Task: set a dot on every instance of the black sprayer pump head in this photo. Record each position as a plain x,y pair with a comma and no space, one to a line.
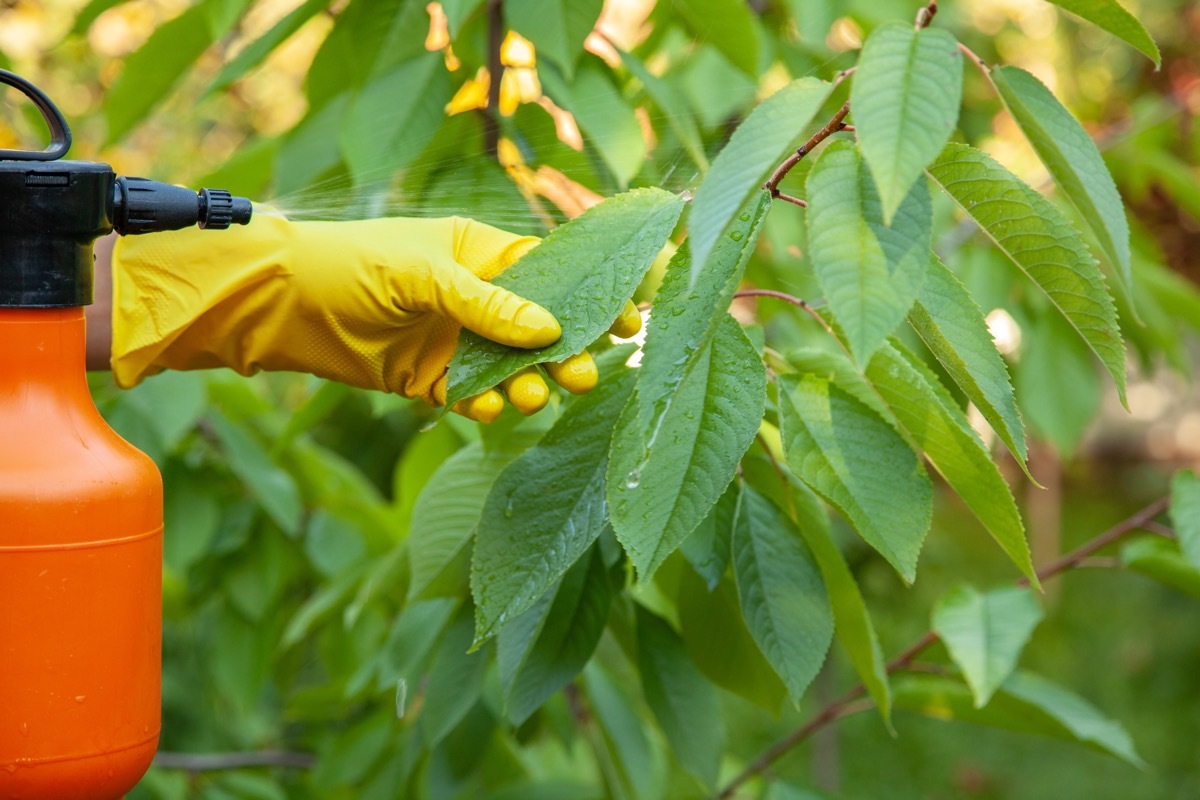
52,212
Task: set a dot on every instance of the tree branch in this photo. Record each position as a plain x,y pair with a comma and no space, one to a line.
833,126
850,702
491,115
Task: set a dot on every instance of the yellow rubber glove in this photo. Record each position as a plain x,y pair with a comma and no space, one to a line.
376,304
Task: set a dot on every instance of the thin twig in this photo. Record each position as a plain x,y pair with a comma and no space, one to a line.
833,126
796,201
979,62
787,298
1158,529
839,708
211,762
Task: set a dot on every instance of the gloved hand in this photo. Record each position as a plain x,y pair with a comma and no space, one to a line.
376,304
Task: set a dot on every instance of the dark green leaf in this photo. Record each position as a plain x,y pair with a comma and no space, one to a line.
1162,560
707,548
673,106
583,273
870,273
662,480
905,97
1053,357
953,328
850,456
1072,159
940,429
782,595
543,649
685,704
632,756
1039,240
268,483
455,680
1109,15
772,130
728,25
545,509
985,633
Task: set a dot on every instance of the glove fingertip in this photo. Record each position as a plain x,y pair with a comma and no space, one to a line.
628,323
483,407
577,374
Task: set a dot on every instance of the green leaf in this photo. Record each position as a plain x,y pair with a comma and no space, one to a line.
663,480
457,13
270,485
773,129
985,633
544,648
556,28
253,54
583,273
717,640
782,594
411,640
446,513
728,25
455,680
90,13
1051,358
850,456
906,95
1185,513
1041,242
602,113
633,769
1162,560
870,273
150,73
1109,15
545,509
673,106
1072,159
953,327
1025,703
685,704
707,548
940,429
391,120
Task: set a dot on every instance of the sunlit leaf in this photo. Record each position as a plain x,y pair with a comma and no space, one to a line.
1185,513
556,28
1112,17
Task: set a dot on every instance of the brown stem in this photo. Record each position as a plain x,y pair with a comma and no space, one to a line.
833,126
787,198
925,15
851,700
979,62
491,117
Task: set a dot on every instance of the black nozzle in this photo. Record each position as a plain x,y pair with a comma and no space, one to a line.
144,206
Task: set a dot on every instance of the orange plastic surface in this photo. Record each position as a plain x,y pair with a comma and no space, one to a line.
80,576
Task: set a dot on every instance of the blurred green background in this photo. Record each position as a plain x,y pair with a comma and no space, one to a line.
289,500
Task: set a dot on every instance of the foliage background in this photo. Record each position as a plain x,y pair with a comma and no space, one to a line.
289,500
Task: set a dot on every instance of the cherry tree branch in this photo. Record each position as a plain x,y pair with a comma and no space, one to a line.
851,701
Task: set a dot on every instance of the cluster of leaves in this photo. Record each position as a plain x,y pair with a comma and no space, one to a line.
570,605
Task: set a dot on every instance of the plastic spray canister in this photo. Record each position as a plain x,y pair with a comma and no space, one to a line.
80,508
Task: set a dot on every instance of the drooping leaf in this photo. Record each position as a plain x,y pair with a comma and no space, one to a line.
1025,703
555,28
707,548
270,485
411,640
455,680
583,273
850,456
940,429
774,128
90,13
685,704
446,513
1053,357
544,648
782,595
952,326
1109,15
906,95
604,116
546,508
673,106
1162,560
717,640
985,633
1185,513
870,273
728,25
1041,242
662,481
253,54
637,761
1072,159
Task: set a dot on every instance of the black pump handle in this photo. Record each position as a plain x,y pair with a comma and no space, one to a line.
60,132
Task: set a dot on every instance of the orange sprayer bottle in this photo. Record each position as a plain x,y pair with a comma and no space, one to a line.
80,509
